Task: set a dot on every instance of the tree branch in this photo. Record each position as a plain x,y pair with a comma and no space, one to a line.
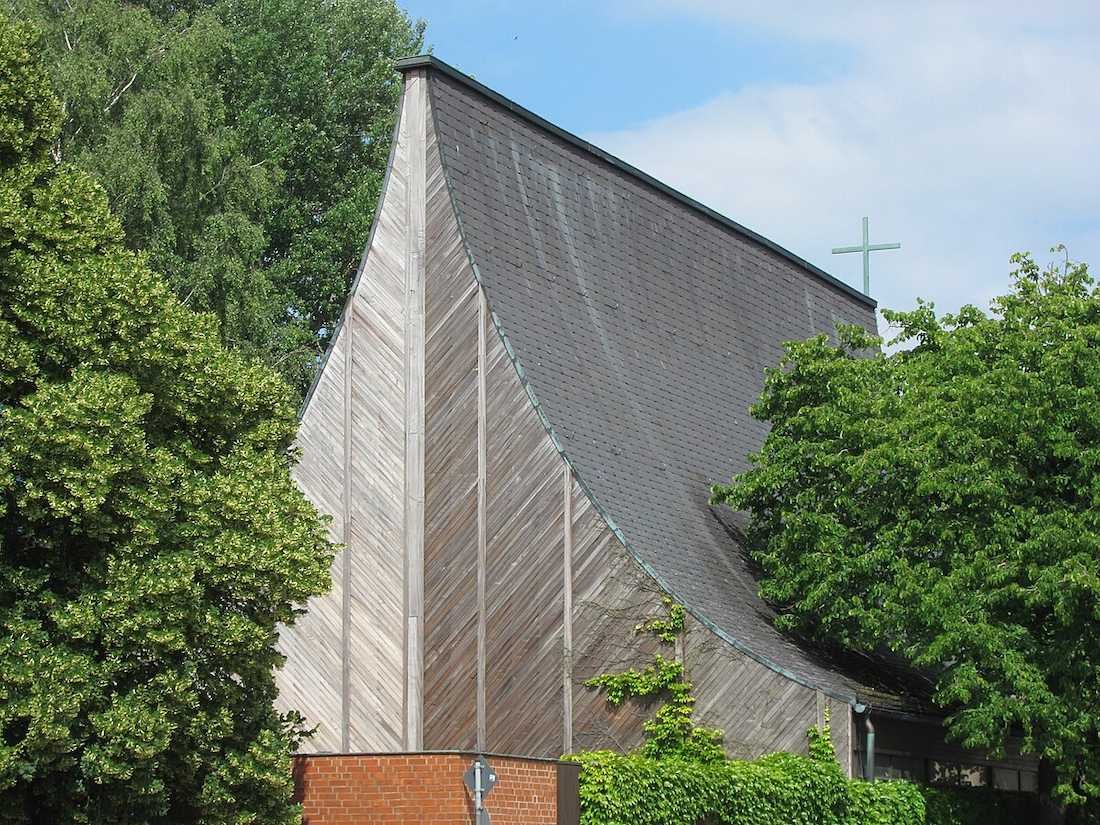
221,180
158,52
115,98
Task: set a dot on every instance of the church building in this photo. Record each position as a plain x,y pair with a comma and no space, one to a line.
546,359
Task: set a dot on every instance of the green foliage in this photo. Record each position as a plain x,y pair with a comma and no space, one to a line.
819,741
667,629
778,789
29,106
680,776
885,803
782,789
672,731
242,144
151,537
976,806
944,502
633,683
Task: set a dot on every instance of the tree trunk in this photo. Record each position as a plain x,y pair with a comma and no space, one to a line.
1051,812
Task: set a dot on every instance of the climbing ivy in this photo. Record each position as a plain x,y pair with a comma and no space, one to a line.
669,628
782,788
680,775
777,789
672,731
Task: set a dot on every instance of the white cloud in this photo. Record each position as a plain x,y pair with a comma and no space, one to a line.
966,132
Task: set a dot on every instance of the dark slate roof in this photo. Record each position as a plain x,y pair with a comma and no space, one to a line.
643,323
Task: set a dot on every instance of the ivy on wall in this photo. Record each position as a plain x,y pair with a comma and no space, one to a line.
672,731
680,775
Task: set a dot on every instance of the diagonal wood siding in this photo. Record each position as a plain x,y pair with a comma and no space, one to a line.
522,522
450,529
611,595
377,465
346,667
759,710
524,569
311,679
402,385
528,659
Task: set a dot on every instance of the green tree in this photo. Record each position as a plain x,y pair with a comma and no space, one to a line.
944,502
151,537
242,144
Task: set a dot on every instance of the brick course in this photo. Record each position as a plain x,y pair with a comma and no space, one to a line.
416,789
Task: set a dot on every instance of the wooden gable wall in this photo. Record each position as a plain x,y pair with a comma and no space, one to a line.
347,667
479,587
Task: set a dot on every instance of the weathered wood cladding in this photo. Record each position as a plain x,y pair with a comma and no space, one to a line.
523,568
346,667
451,477
311,680
415,117
760,710
611,595
431,381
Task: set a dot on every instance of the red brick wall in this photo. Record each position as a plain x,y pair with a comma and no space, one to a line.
411,789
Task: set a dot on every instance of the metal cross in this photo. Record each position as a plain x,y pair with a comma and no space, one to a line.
866,249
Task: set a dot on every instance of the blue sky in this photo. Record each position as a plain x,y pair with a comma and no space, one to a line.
595,67
965,131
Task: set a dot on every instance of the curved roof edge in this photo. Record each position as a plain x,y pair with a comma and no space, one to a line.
521,373
433,62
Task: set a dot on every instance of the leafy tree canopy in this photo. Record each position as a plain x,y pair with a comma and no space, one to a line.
242,144
151,537
944,502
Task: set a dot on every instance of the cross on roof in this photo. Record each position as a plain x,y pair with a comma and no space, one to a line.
866,249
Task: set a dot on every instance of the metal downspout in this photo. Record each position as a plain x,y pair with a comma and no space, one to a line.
870,747
869,727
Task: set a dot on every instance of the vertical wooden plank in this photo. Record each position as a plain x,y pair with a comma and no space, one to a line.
414,413
346,555
482,461
567,611
451,316
848,727
569,799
